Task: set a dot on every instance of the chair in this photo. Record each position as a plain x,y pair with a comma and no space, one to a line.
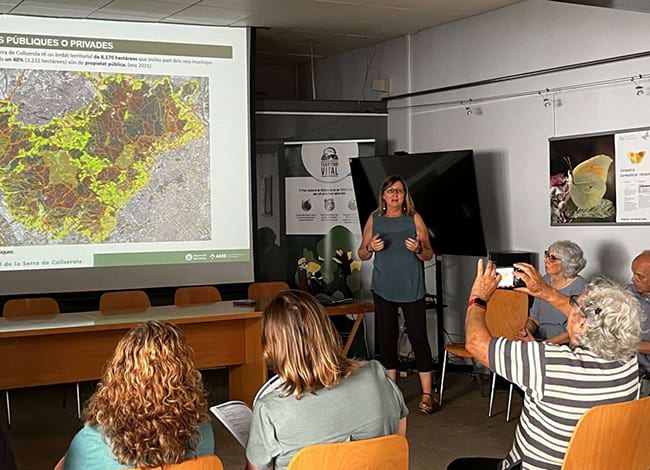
265,290
41,307
611,436
506,313
197,295
204,462
121,301
379,453
32,308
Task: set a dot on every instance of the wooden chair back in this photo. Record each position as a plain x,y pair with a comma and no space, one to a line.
41,307
381,453
197,295
265,290
204,462
506,313
611,436
124,301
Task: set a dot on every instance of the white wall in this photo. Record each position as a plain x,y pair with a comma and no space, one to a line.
510,137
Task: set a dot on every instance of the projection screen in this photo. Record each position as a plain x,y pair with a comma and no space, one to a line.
124,155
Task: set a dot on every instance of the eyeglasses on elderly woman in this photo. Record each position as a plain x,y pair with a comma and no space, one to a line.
573,300
550,257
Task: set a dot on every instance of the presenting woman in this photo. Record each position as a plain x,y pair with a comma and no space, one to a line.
398,238
562,261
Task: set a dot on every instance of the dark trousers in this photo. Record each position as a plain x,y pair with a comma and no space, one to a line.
416,328
478,463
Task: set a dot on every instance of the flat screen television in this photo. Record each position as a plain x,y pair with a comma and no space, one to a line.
443,187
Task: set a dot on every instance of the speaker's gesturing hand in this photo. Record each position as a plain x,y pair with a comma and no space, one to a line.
413,244
376,244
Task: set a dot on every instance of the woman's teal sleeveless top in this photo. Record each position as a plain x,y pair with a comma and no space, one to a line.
398,274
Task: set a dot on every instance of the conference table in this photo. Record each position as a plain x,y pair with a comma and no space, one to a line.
73,347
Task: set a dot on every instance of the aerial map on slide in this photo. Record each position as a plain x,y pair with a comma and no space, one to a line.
103,158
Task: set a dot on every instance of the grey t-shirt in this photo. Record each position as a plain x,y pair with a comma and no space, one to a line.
365,405
644,359
551,321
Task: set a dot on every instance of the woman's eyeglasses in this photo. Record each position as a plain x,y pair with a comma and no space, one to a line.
550,257
573,300
394,191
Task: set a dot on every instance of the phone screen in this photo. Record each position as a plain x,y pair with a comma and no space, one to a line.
507,278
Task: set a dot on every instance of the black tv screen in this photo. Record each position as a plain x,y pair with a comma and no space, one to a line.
443,187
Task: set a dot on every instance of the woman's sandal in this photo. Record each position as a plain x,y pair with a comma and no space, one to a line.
427,408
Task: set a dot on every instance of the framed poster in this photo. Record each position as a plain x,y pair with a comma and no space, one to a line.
600,178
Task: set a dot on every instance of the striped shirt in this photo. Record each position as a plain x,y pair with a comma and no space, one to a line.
559,384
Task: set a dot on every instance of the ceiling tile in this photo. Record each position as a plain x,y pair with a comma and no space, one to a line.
125,17
409,24
422,5
248,5
68,4
208,15
59,12
333,3
152,9
468,8
268,19
5,7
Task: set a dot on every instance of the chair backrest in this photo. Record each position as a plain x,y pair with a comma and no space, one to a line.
204,462
265,290
44,307
611,436
124,300
381,453
197,295
506,313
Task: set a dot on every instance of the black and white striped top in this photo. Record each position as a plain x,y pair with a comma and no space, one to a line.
560,384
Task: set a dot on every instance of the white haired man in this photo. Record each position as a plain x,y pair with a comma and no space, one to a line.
560,382
640,287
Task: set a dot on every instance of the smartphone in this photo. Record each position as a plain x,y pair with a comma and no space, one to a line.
508,279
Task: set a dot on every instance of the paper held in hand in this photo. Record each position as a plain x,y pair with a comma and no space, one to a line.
236,416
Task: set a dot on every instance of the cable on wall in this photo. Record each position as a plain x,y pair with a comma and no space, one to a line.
547,94
519,76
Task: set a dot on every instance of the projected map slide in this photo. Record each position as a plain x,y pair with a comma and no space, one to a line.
115,152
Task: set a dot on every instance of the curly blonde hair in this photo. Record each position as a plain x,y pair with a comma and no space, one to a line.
301,344
150,400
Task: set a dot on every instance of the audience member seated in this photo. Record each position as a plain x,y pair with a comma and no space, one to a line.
562,261
325,396
640,287
560,382
149,408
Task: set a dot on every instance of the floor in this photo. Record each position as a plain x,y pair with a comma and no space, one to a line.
42,427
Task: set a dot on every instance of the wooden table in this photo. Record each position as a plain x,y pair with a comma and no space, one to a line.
73,347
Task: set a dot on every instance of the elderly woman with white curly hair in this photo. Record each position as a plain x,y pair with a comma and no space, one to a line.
560,382
563,261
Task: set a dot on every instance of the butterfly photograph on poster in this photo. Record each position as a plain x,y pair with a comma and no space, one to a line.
582,187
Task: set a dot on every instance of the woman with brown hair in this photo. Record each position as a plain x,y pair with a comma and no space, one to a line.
149,408
325,397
